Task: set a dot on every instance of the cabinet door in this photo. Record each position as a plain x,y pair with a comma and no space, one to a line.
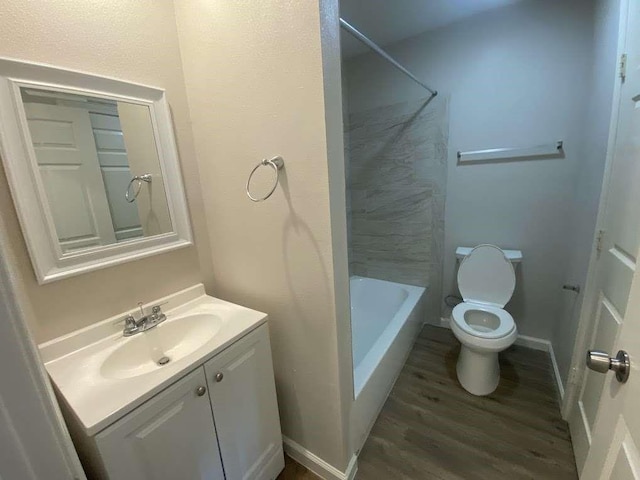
245,409
171,437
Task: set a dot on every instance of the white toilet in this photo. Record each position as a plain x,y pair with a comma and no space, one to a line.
486,279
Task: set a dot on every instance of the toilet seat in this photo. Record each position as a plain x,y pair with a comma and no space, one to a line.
505,326
486,277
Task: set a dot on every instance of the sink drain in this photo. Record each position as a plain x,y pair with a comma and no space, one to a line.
164,361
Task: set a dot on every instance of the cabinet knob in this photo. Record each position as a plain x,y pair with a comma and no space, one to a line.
200,391
219,376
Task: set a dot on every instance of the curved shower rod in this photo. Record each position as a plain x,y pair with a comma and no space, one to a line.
373,46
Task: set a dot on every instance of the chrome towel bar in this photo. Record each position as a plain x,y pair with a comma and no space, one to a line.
550,149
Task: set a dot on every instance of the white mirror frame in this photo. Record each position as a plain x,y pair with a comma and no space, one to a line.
25,183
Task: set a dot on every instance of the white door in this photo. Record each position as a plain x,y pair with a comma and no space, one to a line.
245,409
116,173
606,425
34,444
170,437
68,163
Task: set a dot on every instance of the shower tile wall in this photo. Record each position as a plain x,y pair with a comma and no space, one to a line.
396,180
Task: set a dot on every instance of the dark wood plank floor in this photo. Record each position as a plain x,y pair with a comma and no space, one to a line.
294,471
430,428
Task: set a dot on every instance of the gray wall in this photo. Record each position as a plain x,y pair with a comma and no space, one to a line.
397,182
601,80
516,77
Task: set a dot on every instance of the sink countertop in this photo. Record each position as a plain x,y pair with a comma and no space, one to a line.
75,362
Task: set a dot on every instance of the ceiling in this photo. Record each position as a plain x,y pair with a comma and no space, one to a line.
388,21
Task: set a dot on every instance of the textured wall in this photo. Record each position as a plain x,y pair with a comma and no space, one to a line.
263,78
259,84
602,79
131,41
397,184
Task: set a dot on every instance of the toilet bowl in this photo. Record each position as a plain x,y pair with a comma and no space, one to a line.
486,280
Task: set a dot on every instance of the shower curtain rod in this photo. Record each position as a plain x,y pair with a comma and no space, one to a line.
373,46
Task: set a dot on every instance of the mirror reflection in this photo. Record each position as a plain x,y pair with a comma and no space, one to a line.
99,167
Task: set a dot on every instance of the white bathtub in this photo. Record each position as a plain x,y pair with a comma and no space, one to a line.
385,320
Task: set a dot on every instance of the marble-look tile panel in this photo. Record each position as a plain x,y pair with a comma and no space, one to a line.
397,171
396,202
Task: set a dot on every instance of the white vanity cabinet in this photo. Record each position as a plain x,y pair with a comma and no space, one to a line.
172,436
243,397
218,422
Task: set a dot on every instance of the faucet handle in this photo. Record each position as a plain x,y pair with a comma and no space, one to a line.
157,308
130,326
128,320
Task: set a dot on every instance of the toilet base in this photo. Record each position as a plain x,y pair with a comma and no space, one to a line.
478,372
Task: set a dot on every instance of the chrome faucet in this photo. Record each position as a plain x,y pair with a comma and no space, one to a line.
145,322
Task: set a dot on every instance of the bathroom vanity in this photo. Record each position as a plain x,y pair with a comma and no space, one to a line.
192,398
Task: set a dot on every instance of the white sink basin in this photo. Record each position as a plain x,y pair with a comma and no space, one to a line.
173,340
103,375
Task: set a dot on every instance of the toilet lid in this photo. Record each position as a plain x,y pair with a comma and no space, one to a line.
486,276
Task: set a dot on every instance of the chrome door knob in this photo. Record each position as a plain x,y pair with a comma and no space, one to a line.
601,362
219,376
200,391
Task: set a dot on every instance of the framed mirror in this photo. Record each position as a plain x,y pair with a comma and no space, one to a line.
92,166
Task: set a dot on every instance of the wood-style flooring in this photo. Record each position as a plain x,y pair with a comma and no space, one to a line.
431,428
294,471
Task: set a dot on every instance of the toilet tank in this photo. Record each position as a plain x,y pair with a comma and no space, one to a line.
514,256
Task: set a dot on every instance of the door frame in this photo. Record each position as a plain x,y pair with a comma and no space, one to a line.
586,318
27,376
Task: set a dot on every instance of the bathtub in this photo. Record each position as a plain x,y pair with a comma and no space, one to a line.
386,317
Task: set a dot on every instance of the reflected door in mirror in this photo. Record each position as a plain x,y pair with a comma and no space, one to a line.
66,154
88,150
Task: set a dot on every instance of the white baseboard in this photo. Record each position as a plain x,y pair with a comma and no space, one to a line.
352,468
545,346
535,344
556,373
317,465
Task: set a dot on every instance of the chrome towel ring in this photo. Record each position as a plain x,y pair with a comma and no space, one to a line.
138,178
277,163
